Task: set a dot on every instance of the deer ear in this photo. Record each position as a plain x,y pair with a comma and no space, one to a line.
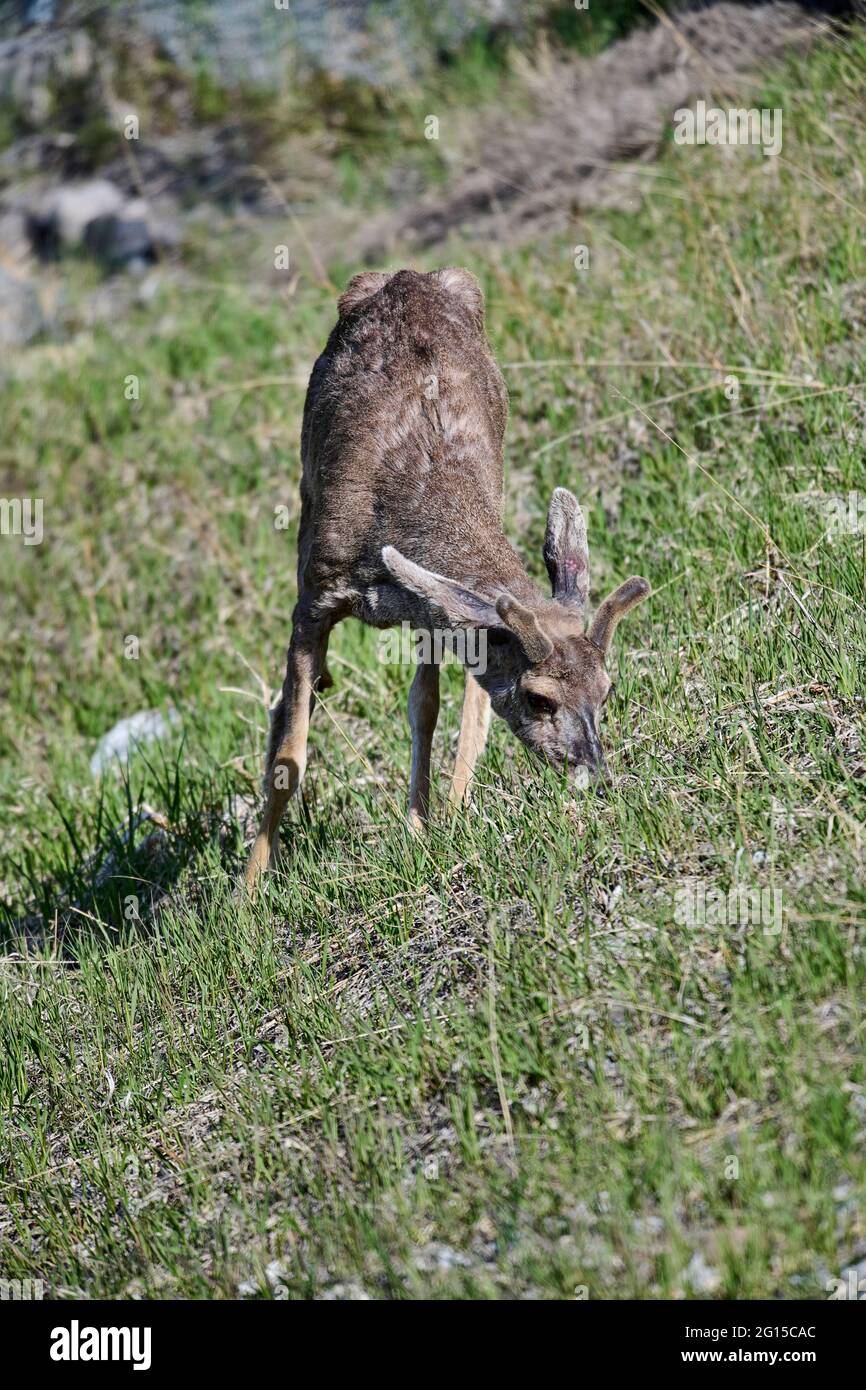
566,553
359,288
460,606
463,285
464,608
615,606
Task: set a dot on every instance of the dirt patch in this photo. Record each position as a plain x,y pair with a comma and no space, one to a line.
593,120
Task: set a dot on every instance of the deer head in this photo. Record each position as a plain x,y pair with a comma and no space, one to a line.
546,668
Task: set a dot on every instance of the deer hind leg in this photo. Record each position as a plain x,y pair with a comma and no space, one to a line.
474,725
286,758
423,714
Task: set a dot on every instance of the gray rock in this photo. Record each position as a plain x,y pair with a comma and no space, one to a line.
21,317
61,219
120,240
436,1256
121,741
701,1277
345,1293
96,216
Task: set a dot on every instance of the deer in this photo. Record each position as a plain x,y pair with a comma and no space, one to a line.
402,496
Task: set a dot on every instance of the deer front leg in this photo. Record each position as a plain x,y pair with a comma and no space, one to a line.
474,725
286,759
423,713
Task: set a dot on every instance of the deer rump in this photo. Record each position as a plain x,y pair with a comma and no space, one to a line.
402,444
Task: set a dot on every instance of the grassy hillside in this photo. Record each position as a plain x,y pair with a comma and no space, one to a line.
497,1062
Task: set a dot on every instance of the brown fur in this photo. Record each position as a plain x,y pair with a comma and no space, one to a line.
401,521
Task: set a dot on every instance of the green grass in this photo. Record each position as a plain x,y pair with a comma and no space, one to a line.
495,1062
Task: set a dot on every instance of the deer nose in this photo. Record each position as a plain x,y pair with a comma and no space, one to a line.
587,766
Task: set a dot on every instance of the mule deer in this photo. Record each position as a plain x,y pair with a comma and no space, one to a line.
401,521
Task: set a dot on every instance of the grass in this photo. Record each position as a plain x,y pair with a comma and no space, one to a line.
498,1062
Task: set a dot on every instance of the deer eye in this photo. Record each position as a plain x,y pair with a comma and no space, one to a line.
540,704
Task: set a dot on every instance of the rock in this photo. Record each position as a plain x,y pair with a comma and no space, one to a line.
60,221
700,1276
21,317
345,1293
440,1257
121,240
121,741
118,231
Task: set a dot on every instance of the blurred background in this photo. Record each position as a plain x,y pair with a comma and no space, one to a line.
130,134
